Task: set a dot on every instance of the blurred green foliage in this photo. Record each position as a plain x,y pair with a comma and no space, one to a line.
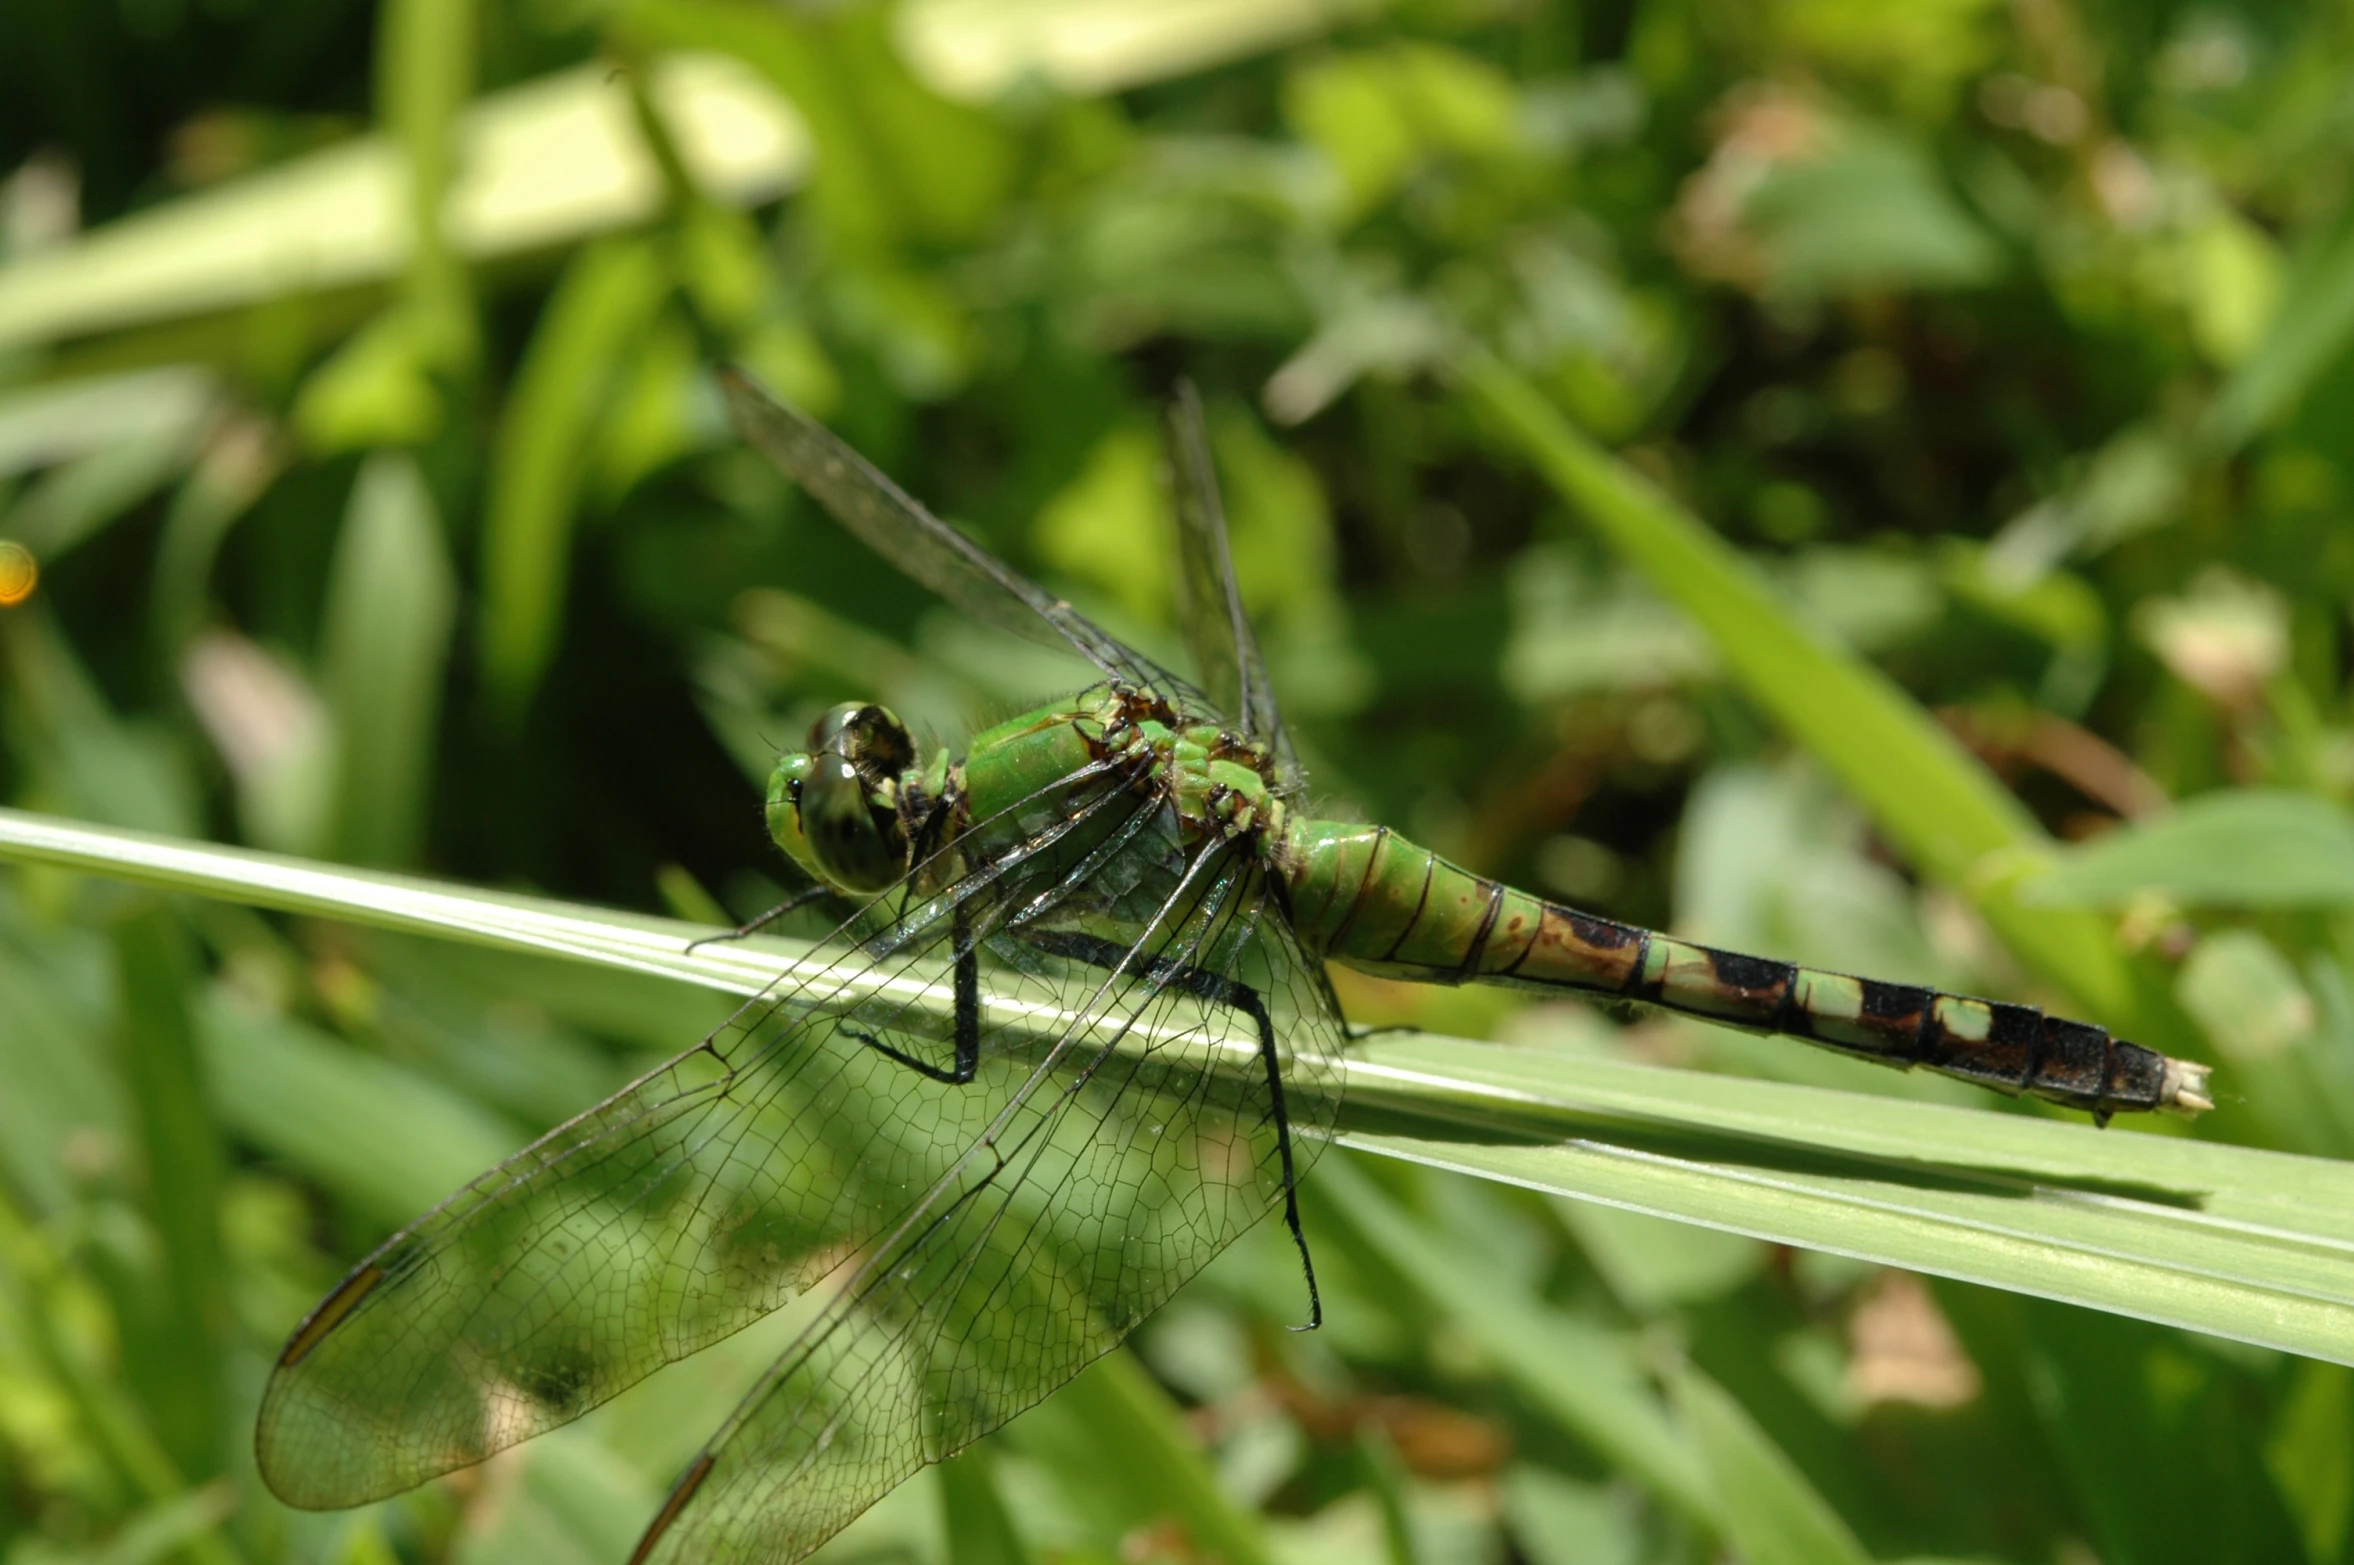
2005,349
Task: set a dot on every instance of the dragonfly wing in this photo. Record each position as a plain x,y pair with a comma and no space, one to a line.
690,1204
1217,631
1144,1142
895,526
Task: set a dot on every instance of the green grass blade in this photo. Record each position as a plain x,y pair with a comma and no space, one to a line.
1924,791
2241,1243
424,77
177,1351
2253,1245
605,302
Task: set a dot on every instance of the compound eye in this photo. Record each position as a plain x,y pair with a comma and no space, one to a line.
840,828
869,736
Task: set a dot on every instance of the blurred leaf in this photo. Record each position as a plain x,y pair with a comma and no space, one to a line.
1922,789
2136,482
78,755
1559,1521
377,389
170,1529
274,734
979,50
1870,211
1376,113
894,161
2233,285
974,1518
1772,1515
2309,332
41,425
176,1348
1110,526
240,461
1387,1477
424,77
598,315
378,1135
2118,1401
62,1119
390,606
1651,1265
1916,52
2246,847
2310,1454
69,503
1117,1444
2267,1029
1589,1379
554,160
37,1289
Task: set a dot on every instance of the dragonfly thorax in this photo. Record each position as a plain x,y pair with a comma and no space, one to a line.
1220,783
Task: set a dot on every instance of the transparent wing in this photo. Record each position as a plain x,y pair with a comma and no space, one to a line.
895,526
687,1206
1135,1147
1217,631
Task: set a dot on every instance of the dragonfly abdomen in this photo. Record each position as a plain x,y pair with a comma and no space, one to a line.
1377,902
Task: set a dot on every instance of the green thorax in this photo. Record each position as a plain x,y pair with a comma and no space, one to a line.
1215,782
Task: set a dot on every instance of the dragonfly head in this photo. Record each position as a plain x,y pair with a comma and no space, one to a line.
834,808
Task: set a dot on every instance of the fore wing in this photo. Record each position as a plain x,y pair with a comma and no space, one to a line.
679,1211
1141,1142
895,526
1217,631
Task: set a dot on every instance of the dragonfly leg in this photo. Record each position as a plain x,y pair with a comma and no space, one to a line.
1218,989
798,900
1350,1033
967,978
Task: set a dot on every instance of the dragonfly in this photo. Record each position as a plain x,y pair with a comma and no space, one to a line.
1072,1035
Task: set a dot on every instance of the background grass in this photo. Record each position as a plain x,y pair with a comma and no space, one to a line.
1785,474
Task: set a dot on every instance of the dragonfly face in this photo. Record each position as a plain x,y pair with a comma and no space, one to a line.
834,808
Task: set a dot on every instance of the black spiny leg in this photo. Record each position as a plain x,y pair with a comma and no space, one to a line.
968,1018
798,900
1218,989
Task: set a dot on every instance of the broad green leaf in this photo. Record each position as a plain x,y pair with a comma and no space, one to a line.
2253,1245
2248,847
1924,792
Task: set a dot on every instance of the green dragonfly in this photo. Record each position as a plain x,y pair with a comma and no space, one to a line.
1072,1035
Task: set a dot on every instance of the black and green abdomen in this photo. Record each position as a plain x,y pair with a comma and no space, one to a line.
1371,899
